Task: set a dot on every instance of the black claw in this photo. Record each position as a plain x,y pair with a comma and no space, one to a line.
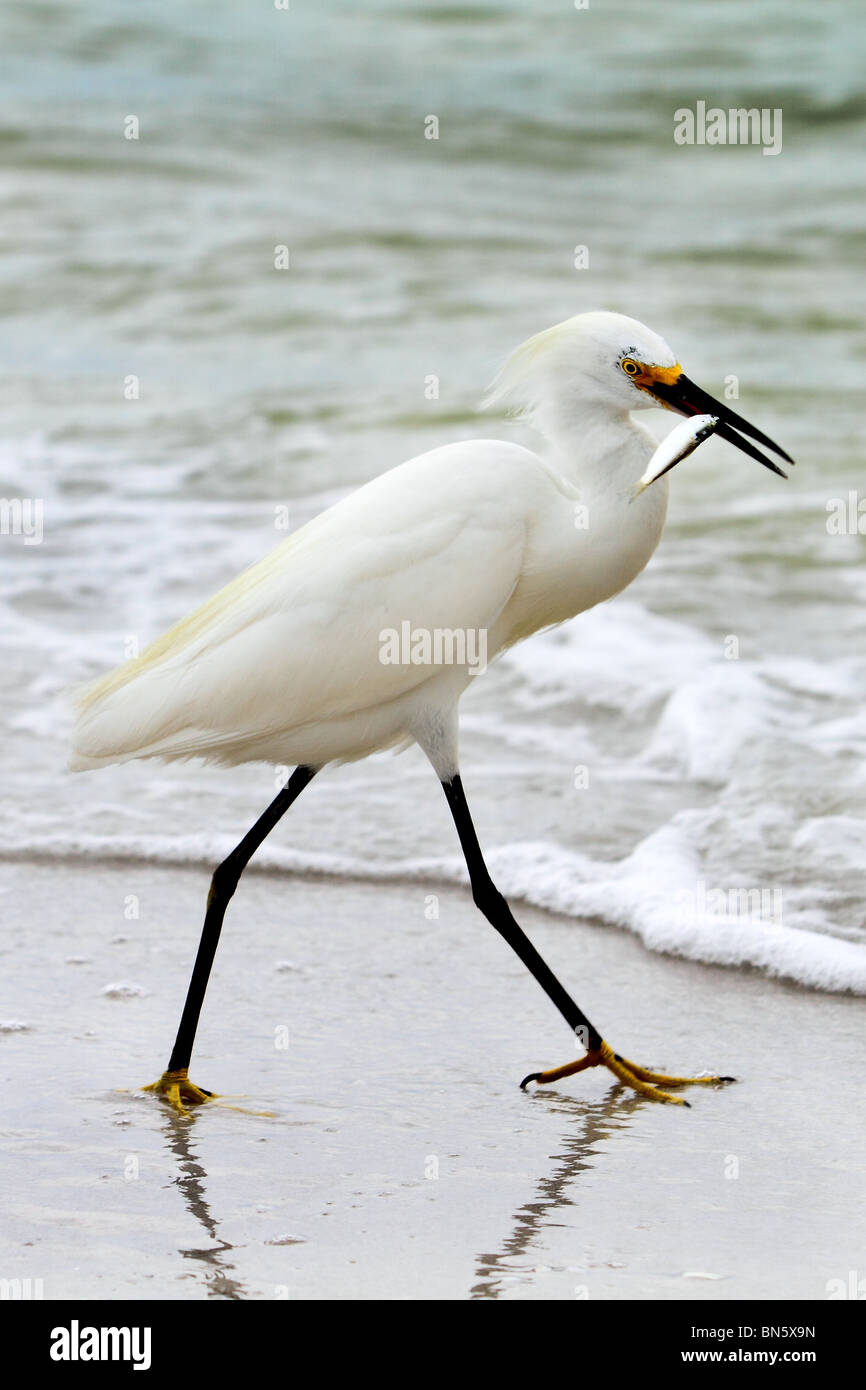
687,1104
727,1078
533,1076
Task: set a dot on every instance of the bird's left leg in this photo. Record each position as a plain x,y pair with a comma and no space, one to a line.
629,1073
598,1053
174,1083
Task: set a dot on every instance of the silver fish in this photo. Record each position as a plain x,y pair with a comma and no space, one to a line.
682,441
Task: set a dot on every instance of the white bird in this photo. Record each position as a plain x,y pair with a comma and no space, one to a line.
362,630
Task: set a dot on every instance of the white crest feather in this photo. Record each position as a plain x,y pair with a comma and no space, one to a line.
520,382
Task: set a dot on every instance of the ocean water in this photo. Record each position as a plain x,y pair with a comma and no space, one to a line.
686,762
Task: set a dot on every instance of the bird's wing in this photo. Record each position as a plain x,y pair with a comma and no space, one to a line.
298,638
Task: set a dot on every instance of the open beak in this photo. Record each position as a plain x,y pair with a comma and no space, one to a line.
684,396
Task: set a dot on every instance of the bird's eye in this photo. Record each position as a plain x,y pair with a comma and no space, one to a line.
629,366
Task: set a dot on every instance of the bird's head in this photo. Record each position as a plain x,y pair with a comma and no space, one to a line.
604,361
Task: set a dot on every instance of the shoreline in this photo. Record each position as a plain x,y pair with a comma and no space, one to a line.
446,874
401,1159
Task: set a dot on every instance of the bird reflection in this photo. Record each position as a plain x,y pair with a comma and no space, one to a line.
215,1268
599,1120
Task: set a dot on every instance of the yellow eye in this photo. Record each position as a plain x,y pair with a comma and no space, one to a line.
629,366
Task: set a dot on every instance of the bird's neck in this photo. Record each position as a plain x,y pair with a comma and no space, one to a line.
602,450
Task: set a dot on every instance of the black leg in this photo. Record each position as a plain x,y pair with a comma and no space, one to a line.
491,902
223,885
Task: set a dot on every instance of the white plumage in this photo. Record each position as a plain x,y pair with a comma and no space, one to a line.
285,663
293,662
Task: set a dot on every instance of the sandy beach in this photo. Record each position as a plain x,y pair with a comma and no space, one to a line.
401,1160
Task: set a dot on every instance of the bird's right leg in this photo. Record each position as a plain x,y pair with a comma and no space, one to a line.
598,1053
174,1083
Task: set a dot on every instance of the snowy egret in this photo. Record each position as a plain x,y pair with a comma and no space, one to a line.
300,661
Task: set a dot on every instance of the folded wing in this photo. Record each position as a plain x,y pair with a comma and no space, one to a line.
298,639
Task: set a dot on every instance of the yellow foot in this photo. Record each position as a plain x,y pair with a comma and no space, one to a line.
646,1083
177,1089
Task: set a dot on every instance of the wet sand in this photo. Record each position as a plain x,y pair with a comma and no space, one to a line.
401,1159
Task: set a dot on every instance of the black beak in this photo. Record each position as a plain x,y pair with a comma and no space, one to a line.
683,395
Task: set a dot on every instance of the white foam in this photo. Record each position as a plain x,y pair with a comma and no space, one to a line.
658,892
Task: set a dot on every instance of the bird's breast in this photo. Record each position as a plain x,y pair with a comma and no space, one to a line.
581,553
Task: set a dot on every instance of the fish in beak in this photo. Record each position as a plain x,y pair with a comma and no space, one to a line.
673,389
683,439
